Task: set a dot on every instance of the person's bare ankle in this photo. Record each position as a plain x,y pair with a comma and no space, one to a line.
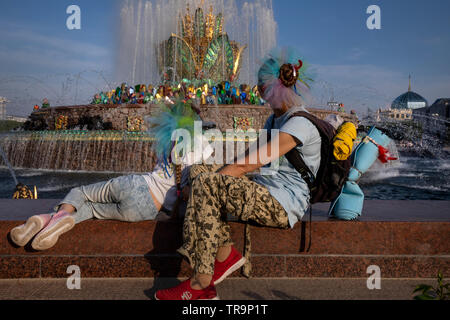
66,208
200,282
223,253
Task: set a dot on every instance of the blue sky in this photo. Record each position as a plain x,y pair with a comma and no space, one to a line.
360,67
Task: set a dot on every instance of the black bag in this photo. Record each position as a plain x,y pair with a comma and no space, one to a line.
332,174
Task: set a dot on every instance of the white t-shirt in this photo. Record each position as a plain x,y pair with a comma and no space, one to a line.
162,183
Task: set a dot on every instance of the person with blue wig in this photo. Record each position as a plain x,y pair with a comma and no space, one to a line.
131,198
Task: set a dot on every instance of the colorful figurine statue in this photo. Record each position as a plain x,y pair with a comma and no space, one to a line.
45,103
96,99
23,192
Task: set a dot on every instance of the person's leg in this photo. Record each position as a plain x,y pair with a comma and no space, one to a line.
135,202
72,210
197,169
77,200
125,198
206,234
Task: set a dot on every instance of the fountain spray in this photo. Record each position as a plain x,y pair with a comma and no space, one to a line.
22,191
5,159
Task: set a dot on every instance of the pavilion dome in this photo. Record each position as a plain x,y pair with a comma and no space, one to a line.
409,100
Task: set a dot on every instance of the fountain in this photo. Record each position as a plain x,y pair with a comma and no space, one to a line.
422,136
22,191
76,150
422,169
144,26
202,50
5,160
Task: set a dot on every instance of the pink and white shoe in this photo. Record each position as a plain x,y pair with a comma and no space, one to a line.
22,234
59,224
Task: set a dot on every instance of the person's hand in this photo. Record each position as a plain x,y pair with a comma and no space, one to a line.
185,193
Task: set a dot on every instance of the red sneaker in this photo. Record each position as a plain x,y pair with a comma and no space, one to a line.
184,292
230,265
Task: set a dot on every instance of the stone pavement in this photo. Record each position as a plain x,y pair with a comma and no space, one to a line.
231,289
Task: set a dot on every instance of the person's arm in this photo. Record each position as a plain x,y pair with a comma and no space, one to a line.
286,143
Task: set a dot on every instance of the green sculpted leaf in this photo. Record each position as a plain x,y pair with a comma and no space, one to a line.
199,25
219,47
218,27
179,59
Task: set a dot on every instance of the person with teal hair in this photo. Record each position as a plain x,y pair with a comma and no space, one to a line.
273,198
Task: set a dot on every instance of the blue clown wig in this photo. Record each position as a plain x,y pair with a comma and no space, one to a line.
273,89
165,122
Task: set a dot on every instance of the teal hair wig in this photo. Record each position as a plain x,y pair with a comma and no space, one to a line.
271,86
167,120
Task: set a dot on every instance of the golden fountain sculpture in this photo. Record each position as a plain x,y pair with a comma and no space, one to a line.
202,51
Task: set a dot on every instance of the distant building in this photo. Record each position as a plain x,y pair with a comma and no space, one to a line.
16,119
336,106
402,107
333,105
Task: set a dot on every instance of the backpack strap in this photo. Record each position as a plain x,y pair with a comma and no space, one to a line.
299,164
294,157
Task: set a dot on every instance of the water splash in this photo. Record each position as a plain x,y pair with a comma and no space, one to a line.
145,24
108,151
418,137
5,159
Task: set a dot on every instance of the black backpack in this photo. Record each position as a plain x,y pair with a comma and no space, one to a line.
332,174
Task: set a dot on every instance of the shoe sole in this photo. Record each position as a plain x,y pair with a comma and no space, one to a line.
48,238
21,235
233,268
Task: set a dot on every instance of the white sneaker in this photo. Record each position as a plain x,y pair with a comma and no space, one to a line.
59,224
22,234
